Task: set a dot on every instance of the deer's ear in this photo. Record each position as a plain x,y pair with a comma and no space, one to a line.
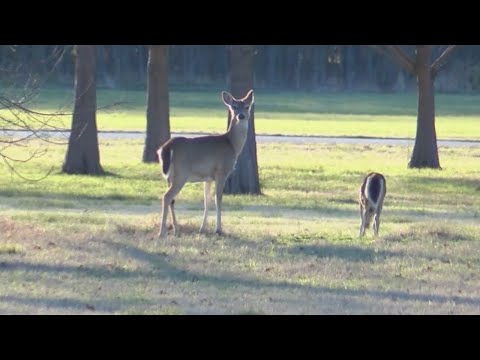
249,98
227,98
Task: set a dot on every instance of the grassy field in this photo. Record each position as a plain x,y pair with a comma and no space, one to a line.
86,245
295,113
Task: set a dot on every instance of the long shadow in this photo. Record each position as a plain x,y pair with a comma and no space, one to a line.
351,212
234,281
68,195
349,253
159,261
353,253
137,176
70,199
109,272
49,302
23,200
163,267
311,209
72,304
439,182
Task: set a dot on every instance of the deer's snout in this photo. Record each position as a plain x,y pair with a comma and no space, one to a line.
241,116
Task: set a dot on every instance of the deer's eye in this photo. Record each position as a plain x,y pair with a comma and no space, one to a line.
234,107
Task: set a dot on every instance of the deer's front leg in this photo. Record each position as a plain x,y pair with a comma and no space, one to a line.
167,200
220,184
207,198
174,218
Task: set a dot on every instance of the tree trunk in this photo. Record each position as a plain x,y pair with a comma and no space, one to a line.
244,179
158,118
82,154
425,151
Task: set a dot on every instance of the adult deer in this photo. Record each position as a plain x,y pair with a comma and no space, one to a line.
204,159
372,195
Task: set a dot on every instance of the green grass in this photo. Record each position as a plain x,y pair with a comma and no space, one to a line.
315,177
87,245
10,249
292,113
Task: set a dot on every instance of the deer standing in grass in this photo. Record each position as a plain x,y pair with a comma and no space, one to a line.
204,159
372,195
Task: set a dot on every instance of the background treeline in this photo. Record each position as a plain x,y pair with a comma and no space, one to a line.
294,67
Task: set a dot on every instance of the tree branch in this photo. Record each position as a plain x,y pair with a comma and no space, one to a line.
17,116
403,58
440,62
396,53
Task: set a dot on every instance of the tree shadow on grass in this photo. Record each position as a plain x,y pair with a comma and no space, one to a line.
349,253
163,266
234,280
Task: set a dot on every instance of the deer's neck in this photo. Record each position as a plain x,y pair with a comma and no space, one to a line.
237,134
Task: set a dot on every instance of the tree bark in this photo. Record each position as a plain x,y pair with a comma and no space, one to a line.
82,154
425,151
244,179
158,113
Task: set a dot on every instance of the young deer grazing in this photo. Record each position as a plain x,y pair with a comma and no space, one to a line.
204,159
372,194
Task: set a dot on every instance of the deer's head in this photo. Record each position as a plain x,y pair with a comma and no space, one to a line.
239,108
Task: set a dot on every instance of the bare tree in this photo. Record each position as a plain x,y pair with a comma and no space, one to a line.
83,154
158,119
244,179
19,123
425,151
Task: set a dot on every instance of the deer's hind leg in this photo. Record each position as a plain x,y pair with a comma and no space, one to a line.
376,223
174,188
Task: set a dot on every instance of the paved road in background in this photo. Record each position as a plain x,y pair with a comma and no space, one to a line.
269,138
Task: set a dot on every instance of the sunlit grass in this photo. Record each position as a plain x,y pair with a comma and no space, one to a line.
80,244
287,113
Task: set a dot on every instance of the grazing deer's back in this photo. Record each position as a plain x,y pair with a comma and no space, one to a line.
372,186
372,194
